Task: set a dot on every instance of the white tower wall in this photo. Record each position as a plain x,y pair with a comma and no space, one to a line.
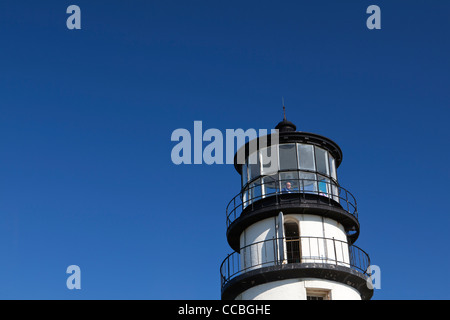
321,240
310,226
296,289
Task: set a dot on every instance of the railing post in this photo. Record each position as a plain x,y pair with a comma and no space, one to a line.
309,245
346,199
234,207
351,256
250,262
253,198
334,245
228,269
303,189
329,192
317,190
275,253
258,259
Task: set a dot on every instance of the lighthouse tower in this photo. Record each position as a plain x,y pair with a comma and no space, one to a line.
292,226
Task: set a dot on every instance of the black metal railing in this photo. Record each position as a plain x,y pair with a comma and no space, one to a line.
326,190
280,251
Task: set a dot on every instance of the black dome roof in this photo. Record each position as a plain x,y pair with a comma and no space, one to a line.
286,126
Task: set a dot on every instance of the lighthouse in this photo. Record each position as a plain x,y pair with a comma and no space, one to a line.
292,226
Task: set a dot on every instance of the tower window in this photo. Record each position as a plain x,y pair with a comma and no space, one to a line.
292,235
318,294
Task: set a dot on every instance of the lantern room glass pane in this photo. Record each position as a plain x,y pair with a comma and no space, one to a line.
254,170
335,192
270,185
255,190
308,182
332,167
269,160
244,174
289,182
306,157
324,186
245,198
322,160
288,156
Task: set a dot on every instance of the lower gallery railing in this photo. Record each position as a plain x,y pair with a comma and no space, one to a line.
278,251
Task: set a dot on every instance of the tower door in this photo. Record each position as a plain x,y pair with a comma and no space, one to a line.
292,238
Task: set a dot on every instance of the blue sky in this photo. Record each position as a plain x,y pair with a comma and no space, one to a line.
86,118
